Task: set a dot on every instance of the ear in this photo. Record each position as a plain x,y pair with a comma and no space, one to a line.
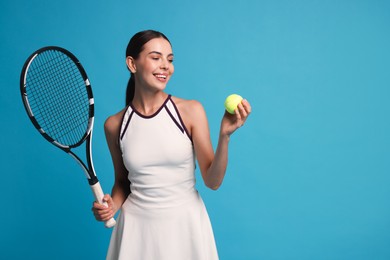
131,64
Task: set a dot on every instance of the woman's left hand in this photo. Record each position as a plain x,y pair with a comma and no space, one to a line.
231,122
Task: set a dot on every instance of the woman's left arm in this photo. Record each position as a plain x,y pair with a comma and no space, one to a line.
213,165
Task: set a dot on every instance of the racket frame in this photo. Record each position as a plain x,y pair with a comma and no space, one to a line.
88,169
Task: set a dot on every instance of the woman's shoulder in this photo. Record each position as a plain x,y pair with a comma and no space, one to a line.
191,111
188,106
114,122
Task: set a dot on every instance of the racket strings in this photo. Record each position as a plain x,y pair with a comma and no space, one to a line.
65,78
58,97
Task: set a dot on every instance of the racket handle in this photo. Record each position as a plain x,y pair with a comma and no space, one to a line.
98,193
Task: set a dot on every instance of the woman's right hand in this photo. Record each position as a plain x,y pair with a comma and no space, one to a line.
102,212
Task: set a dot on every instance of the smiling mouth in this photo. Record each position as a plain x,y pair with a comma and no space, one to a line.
160,76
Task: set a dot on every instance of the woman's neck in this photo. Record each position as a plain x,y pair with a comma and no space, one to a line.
148,103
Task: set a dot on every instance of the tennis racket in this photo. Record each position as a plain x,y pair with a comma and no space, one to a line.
57,96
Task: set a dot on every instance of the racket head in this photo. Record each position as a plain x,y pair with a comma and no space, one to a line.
57,96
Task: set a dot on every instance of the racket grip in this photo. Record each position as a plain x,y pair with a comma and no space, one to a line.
98,193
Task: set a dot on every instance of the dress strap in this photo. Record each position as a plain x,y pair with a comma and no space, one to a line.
125,121
173,112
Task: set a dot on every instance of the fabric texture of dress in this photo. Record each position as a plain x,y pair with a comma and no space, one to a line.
163,218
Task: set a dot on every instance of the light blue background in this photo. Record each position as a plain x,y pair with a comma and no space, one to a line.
309,174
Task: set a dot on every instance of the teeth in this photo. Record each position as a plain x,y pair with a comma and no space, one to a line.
161,76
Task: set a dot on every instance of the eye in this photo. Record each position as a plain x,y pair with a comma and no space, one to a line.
170,60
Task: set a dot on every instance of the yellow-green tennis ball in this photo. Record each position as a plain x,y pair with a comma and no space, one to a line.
232,102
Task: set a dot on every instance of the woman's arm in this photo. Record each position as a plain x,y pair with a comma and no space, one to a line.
213,165
121,187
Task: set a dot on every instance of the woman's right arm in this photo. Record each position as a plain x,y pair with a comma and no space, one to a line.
121,188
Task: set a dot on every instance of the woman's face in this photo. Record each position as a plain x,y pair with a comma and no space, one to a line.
153,68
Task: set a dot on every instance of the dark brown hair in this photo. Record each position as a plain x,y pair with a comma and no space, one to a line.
134,48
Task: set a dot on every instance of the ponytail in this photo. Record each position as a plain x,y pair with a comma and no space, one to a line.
130,90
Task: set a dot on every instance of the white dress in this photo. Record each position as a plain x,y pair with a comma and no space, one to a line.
164,217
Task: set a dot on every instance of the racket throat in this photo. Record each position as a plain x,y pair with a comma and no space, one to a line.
93,180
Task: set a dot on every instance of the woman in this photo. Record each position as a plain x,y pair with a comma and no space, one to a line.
153,143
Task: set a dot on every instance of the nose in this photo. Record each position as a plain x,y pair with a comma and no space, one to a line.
164,64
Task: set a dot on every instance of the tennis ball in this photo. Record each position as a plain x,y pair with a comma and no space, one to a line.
232,102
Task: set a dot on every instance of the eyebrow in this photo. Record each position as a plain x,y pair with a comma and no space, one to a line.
159,53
